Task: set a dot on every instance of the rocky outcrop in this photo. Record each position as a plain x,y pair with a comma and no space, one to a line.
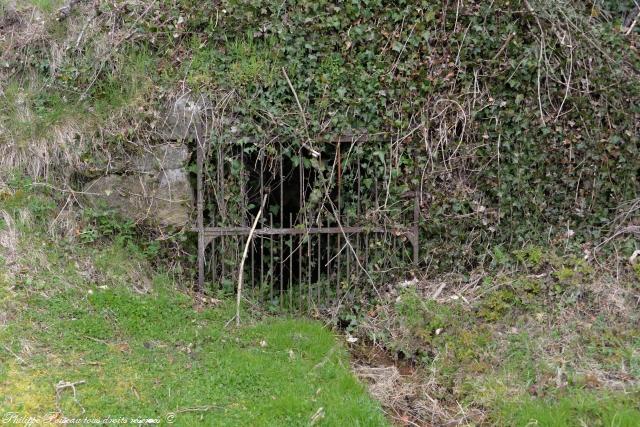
152,186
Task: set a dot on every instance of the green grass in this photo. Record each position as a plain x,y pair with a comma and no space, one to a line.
522,354
45,6
249,63
34,108
72,314
155,354
578,408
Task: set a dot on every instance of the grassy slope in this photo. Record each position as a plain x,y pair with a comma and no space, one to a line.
70,313
98,313
555,345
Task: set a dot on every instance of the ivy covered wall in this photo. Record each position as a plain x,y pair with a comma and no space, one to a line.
517,121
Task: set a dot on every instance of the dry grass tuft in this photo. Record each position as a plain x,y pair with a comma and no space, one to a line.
9,243
21,29
51,142
42,158
408,398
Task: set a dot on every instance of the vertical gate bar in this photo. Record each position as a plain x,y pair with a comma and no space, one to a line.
338,220
349,254
239,244
253,267
309,267
214,267
359,185
339,168
208,265
299,248
243,189
366,253
348,264
357,252
219,177
261,267
271,273
245,216
301,186
261,237
214,211
338,262
281,225
221,189
290,265
200,208
359,209
236,261
301,218
214,264
223,255
415,242
319,261
328,278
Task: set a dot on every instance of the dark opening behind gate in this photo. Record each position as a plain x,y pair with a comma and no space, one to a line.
325,235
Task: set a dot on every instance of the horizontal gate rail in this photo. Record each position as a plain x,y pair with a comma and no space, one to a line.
211,232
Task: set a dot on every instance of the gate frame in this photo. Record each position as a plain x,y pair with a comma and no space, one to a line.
206,235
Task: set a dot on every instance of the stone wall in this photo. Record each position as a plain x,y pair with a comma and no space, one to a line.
153,185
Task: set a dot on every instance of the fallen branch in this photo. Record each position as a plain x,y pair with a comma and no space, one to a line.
244,258
18,358
61,386
631,229
632,21
504,45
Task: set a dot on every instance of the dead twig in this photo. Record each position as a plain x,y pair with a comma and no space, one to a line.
317,416
633,23
542,49
504,45
244,258
631,229
63,385
18,358
197,409
306,145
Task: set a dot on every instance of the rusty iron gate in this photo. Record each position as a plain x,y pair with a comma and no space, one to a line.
324,236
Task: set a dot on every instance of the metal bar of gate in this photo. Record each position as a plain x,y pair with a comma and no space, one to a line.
243,231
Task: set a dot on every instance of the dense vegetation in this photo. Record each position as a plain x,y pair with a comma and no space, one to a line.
522,117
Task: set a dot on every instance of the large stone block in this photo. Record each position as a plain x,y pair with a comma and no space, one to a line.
141,159
160,158
183,119
158,192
